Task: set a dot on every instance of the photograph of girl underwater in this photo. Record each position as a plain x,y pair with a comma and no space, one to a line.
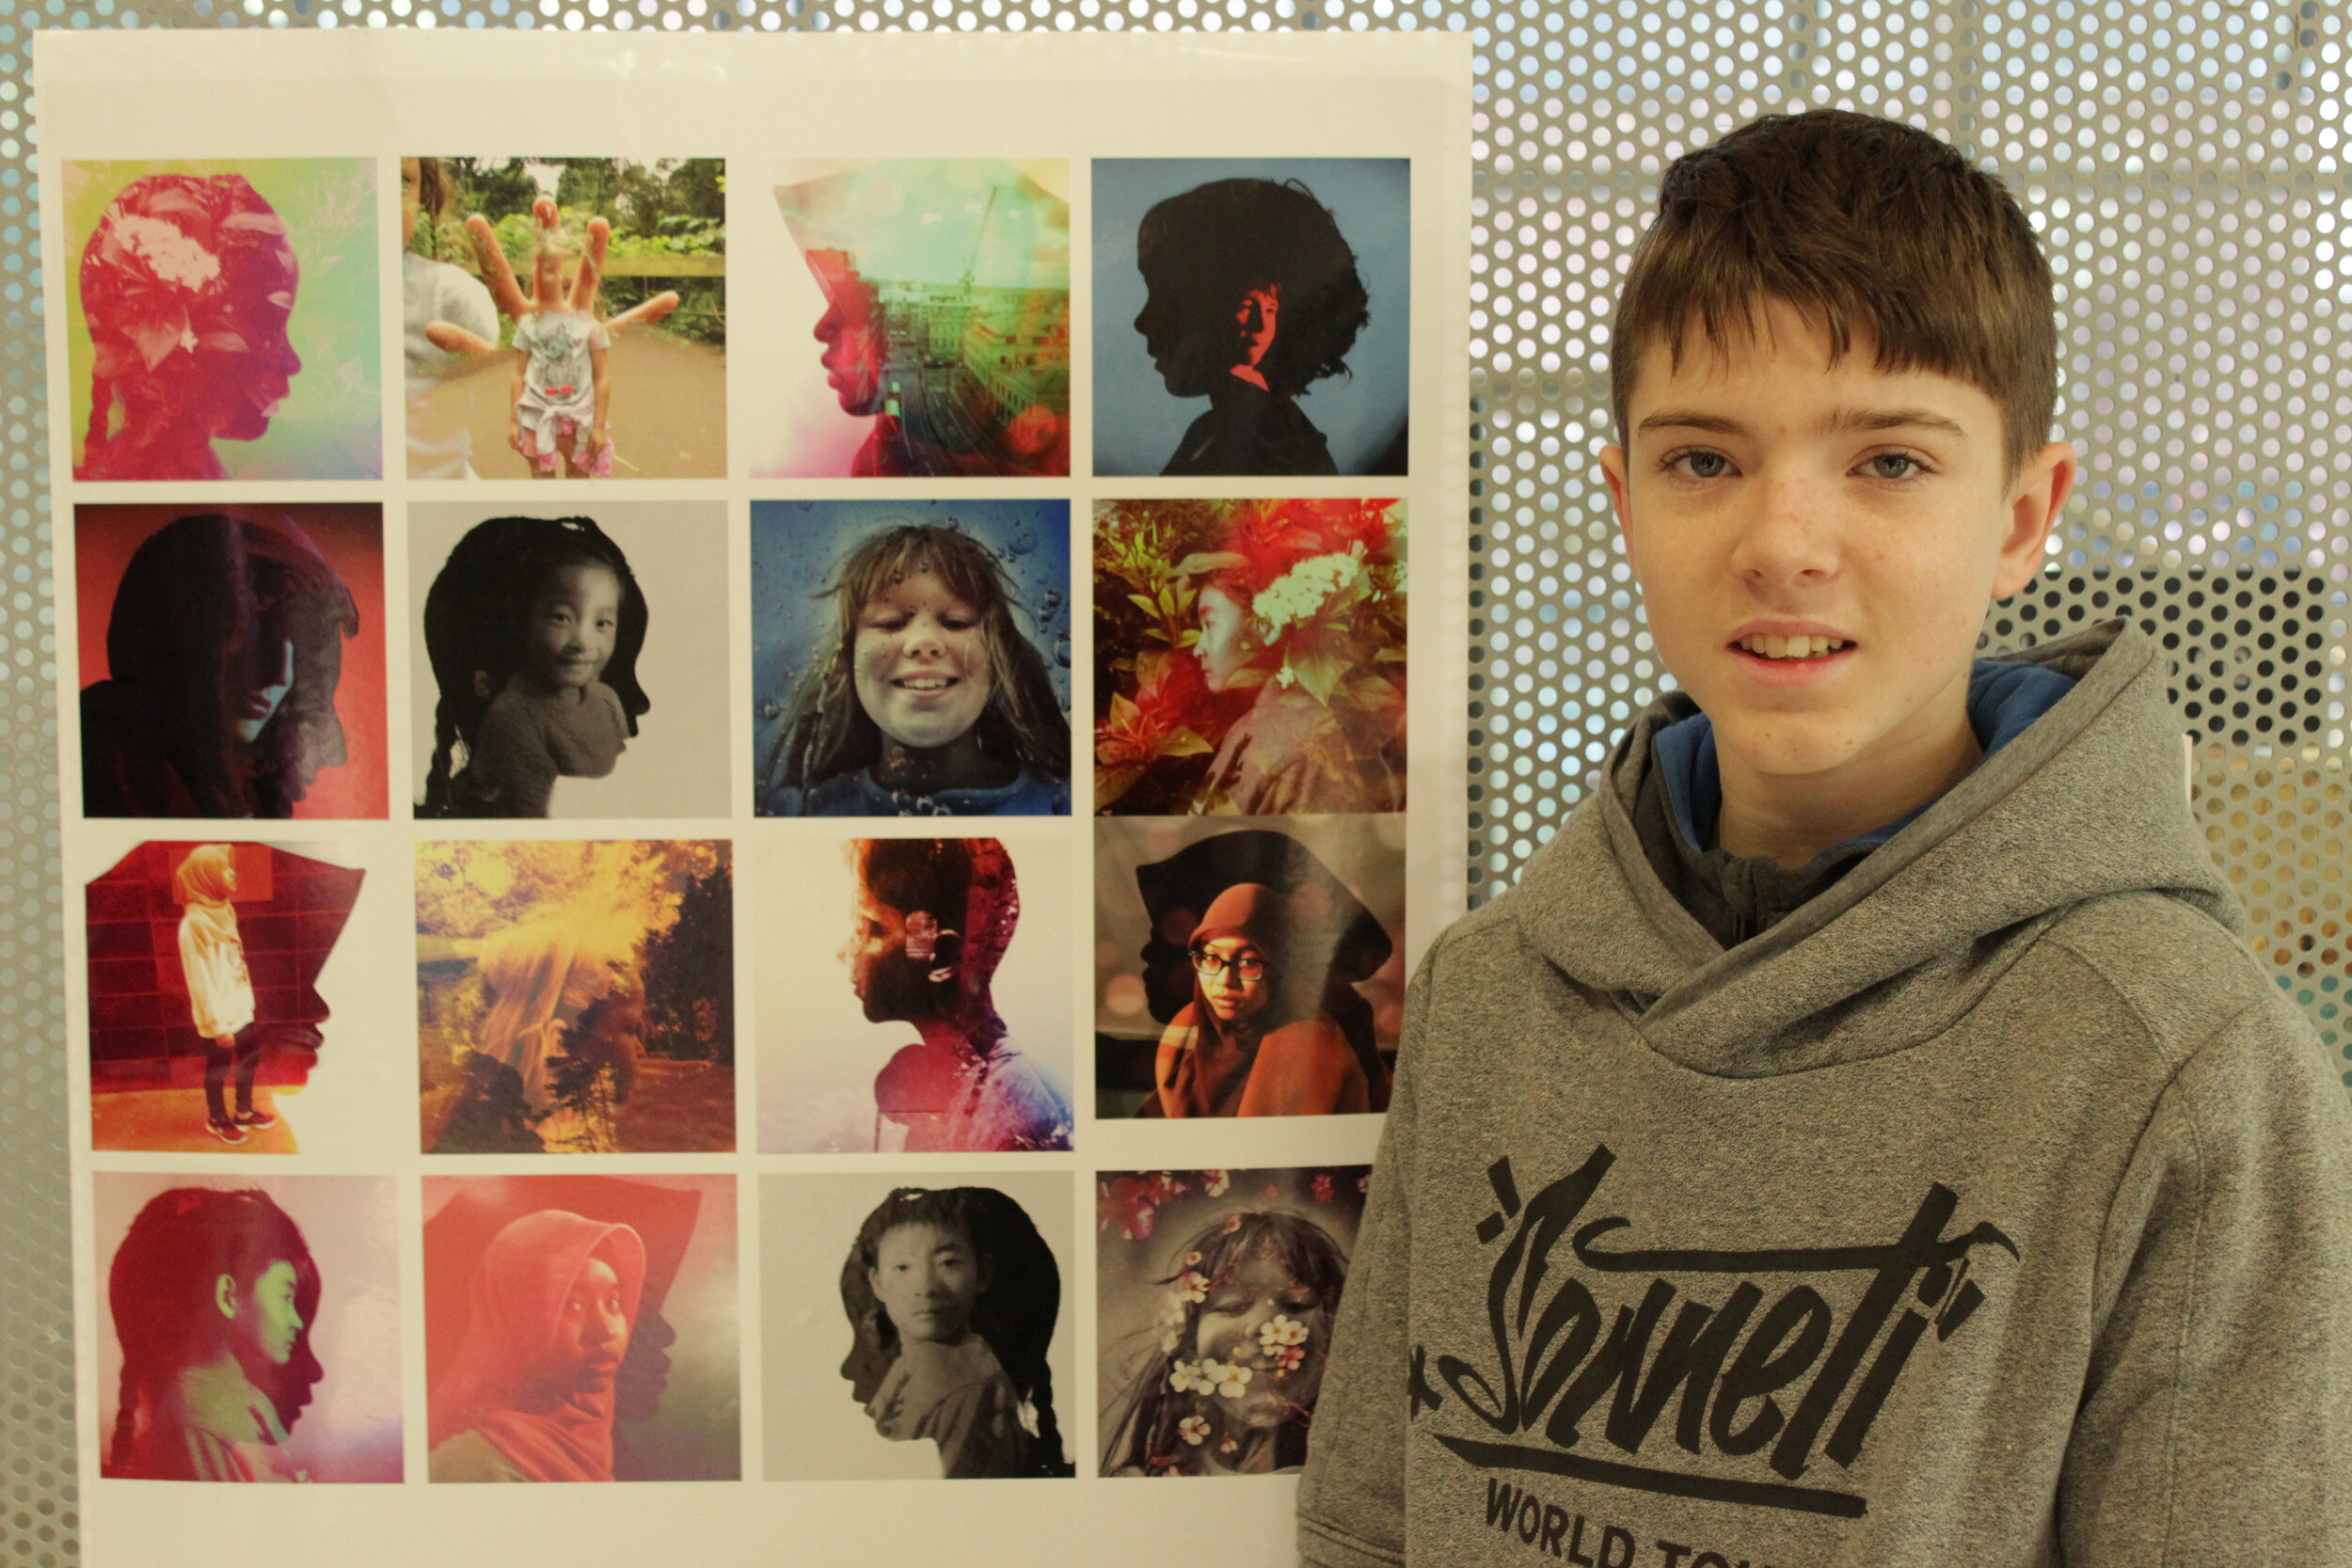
223,302
255,1328
582,1328
1247,970
1216,1292
939,289
953,1348
541,689
231,660
204,968
1252,285
576,998
608,360
910,659
933,1014
1249,657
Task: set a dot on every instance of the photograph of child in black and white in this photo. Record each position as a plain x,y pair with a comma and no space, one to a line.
952,1350
910,659
570,667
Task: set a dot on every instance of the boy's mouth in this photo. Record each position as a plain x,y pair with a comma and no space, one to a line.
924,683
1773,646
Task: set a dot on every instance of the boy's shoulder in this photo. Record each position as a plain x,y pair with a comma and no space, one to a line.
2181,974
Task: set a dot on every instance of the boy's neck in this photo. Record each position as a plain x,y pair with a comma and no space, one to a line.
1791,818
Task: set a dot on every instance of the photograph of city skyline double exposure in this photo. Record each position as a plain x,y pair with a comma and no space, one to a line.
938,326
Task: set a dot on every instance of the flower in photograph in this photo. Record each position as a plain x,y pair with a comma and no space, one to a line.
1193,1430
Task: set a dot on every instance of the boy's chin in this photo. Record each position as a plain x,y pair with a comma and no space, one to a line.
1788,750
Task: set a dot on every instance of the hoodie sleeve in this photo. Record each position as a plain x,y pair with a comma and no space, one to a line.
2218,1400
1351,1499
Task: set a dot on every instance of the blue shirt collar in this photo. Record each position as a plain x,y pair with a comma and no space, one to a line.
2004,697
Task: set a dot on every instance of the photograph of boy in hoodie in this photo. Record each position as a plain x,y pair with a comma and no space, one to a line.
1873,989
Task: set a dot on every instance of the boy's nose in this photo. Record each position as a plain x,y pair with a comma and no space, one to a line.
1784,541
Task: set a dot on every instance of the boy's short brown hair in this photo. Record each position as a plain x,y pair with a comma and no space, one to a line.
1864,225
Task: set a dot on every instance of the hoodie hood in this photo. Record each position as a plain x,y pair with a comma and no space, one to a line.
2087,803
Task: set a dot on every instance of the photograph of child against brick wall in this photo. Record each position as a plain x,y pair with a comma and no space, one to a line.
570,667
205,1017
1217,1291
910,659
606,359
1251,315
1249,657
576,997
582,1328
231,660
933,1014
939,291
954,1361
1249,970
255,1328
223,302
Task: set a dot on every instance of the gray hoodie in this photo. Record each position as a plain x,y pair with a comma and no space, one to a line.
1994,1208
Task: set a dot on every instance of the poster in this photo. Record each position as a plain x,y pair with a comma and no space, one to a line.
754,744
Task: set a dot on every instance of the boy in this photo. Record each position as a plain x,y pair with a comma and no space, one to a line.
1862,1138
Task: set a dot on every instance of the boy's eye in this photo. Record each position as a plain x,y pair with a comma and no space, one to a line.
1699,463
1893,464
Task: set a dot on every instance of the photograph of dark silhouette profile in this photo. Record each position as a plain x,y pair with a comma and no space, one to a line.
256,1328
1248,970
910,659
955,1361
1251,315
938,290
938,1019
576,998
231,660
1249,657
1216,1292
581,1328
222,325
205,1017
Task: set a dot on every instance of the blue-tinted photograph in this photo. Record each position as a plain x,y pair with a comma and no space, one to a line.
910,659
1253,315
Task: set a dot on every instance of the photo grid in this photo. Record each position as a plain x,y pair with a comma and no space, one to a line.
464,962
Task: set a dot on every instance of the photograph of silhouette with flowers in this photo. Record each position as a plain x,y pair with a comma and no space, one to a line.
1216,1292
576,998
1249,657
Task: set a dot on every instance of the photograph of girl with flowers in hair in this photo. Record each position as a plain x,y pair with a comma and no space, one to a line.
912,659
1216,1292
941,944
1249,657
256,1328
227,301
955,1347
576,998
231,660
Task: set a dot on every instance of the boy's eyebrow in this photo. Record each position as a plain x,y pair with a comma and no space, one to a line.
1840,421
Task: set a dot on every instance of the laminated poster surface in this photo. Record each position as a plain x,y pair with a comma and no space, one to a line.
755,732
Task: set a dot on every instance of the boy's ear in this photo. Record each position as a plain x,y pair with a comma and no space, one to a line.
2037,496
1612,468
225,1296
985,1272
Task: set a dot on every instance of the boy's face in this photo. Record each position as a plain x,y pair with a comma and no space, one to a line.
927,1278
1817,543
575,618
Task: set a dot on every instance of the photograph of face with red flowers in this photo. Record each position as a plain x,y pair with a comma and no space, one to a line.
1216,1291
1249,657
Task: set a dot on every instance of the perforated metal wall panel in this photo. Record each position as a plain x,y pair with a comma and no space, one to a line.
2185,163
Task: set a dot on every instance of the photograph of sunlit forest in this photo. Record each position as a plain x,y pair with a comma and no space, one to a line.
576,997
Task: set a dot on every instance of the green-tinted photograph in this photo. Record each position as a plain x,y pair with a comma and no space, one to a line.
223,325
